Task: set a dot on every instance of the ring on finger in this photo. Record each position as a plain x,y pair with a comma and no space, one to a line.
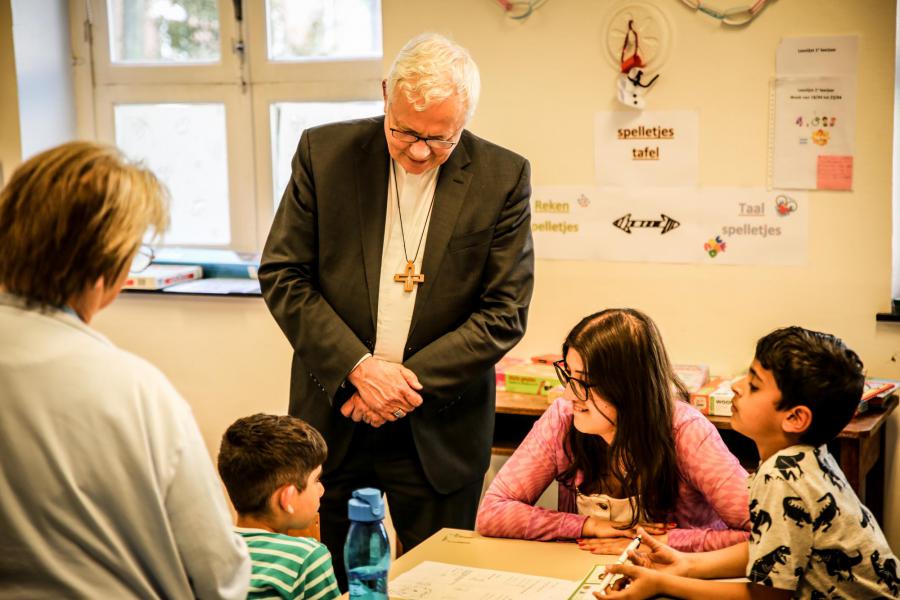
399,413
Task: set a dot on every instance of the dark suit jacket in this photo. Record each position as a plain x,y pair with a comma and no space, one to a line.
320,275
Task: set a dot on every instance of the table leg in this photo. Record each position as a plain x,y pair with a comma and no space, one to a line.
849,460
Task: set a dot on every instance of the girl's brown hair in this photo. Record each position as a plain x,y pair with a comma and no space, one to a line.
626,363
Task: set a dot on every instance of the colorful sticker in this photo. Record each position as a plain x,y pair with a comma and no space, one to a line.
820,137
784,205
714,246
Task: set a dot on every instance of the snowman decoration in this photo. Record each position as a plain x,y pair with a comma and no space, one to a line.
630,82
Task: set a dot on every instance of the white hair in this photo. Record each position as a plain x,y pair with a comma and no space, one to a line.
430,68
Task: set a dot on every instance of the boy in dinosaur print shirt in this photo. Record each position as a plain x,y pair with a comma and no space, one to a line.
810,538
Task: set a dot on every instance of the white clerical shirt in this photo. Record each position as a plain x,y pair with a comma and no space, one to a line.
395,305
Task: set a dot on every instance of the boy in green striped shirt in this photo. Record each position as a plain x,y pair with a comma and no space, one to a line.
271,466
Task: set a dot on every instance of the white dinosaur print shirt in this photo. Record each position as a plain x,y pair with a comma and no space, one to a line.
811,534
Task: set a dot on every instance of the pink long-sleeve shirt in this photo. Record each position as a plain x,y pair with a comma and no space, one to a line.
711,510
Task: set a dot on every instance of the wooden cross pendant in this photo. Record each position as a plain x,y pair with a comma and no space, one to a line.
409,278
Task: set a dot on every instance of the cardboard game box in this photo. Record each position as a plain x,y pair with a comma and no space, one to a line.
533,378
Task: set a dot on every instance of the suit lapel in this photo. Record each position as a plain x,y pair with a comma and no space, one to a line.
371,189
452,186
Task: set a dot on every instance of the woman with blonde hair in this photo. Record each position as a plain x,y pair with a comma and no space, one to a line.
107,489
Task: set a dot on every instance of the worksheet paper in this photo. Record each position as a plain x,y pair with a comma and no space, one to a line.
714,226
814,129
651,148
591,584
441,581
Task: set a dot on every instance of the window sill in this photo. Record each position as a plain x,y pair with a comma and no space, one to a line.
890,317
163,292
209,286
224,273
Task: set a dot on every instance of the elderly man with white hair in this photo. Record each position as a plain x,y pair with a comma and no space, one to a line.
400,267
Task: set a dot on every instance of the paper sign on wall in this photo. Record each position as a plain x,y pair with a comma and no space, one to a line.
646,148
815,113
715,226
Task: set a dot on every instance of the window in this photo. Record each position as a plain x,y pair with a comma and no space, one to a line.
213,95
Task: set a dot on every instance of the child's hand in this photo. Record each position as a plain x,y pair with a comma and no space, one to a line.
638,583
654,554
602,528
606,537
611,545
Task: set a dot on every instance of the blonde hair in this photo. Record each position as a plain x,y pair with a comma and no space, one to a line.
430,68
71,215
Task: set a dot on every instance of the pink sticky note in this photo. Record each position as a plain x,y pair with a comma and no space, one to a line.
834,172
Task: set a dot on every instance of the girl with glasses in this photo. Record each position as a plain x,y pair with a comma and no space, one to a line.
626,448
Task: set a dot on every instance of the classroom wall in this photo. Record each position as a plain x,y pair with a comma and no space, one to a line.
10,141
543,80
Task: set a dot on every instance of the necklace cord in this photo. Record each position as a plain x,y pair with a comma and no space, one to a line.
400,214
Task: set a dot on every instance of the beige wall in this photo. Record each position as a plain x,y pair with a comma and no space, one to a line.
10,141
543,81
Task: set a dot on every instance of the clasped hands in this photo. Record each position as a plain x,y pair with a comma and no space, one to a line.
601,536
385,391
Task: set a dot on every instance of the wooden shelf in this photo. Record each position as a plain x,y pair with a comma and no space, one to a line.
510,403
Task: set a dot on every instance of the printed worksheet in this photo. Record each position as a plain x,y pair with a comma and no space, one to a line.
441,581
591,584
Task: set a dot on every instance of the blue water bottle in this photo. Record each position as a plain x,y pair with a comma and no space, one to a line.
367,553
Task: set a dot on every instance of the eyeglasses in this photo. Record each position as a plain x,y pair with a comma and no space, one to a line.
142,259
579,386
411,138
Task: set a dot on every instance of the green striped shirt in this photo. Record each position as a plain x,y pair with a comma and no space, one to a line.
286,567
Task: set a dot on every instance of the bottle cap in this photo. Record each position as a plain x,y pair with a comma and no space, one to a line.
366,506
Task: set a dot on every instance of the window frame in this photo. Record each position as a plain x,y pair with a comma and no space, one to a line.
242,215
106,72
246,82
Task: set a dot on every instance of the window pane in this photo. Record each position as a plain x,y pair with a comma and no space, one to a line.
185,146
163,31
289,119
323,29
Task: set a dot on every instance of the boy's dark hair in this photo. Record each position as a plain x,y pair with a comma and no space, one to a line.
816,370
261,453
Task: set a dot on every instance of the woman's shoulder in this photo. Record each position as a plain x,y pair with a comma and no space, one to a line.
128,376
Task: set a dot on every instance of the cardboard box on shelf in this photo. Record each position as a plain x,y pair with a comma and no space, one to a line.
694,377
505,363
533,378
720,400
546,359
700,398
